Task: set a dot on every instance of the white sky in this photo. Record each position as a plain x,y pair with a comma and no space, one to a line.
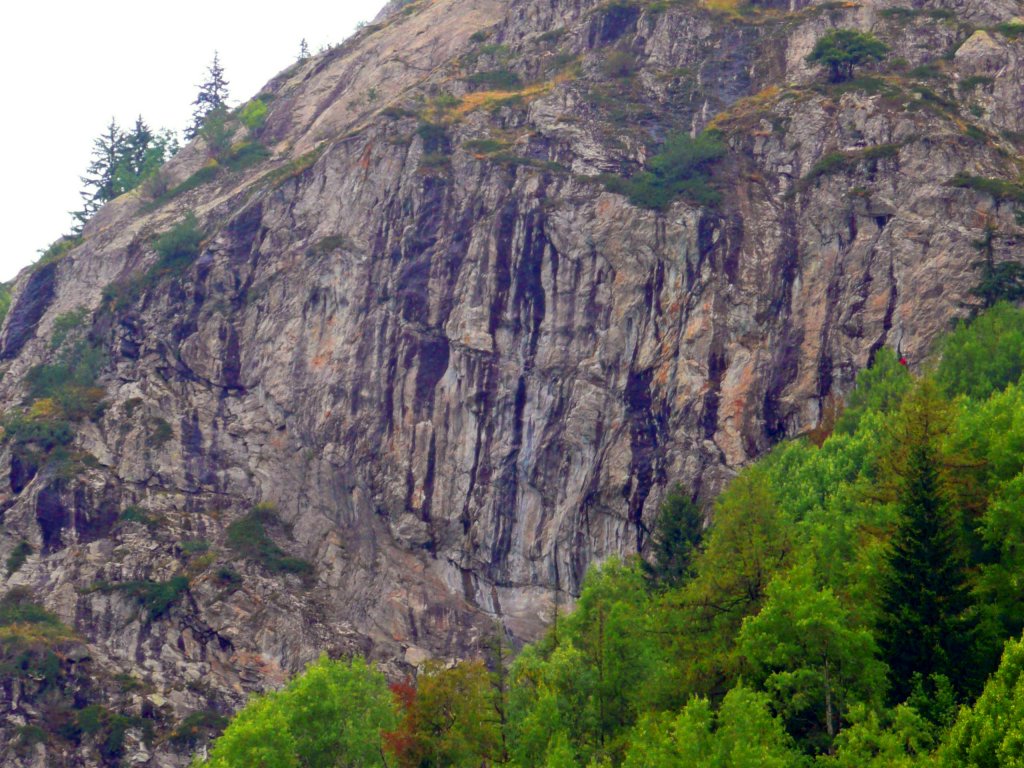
68,67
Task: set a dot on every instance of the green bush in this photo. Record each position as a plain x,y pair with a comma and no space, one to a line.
249,538
179,246
160,433
680,170
156,597
254,115
135,514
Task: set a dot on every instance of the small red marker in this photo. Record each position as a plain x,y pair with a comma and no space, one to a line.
903,361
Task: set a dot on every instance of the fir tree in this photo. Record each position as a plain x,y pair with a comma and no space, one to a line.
213,95
925,601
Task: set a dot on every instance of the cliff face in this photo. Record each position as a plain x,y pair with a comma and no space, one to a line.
459,368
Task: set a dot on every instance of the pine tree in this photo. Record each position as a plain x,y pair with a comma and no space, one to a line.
303,50
213,95
925,624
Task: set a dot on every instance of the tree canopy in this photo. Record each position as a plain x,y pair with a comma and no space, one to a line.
840,50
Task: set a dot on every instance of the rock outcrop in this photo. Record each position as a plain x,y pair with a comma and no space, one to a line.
458,367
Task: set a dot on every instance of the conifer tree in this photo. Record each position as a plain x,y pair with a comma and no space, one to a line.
213,95
303,50
925,601
676,535
99,178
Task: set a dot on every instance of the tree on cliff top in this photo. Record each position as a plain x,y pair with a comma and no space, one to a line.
843,49
212,96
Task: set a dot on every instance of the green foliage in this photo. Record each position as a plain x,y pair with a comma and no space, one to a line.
156,597
248,537
880,388
1011,29
845,162
741,734
217,132
179,246
135,514
160,433
925,621
497,80
1000,189
191,547
254,115
18,557
985,355
203,176
991,732
64,324
809,653
452,720
676,536
680,170
847,599
197,727
245,155
843,49
333,714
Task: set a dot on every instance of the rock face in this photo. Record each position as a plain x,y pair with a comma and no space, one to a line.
461,369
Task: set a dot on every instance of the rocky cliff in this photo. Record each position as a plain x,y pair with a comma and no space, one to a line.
425,366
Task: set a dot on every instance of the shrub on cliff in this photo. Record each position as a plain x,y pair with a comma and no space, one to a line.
843,49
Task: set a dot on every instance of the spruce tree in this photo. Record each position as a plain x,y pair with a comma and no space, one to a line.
213,95
925,601
99,179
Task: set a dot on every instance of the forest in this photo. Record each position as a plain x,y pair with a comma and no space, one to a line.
855,600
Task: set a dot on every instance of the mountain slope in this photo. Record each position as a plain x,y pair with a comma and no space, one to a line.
457,366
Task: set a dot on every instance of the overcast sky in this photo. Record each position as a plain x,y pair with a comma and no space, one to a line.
68,67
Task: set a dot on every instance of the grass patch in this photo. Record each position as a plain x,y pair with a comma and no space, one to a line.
1000,189
248,537
191,547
